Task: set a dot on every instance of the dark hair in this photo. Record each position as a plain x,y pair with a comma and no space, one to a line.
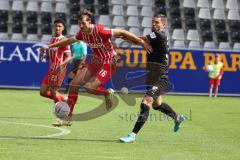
160,16
60,21
86,12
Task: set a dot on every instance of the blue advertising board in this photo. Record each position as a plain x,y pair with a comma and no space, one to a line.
20,67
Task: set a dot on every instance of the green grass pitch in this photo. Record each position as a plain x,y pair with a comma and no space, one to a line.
211,131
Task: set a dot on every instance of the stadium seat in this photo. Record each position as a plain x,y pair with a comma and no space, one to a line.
74,19
203,4
147,22
46,37
133,22
135,31
46,7
17,27
219,25
4,5
103,9
46,29
176,23
222,36
103,2
132,2
194,45
17,36
146,11
132,11
192,35
207,35
234,25
189,12
104,20
189,3
209,45
190,23
4,36
90,7
88,1
32,6
17,5
61,7
46,17
74,1
61,16
3,15
74,7
205,24
204,13
233,14
32,37
161,10
146,2
32,17
178,34
147,31
218,4
74,29
120,2
236,46
17,16
3,26
32,28
175,12
179,44
174,3
235,36
224,46
118,10
118,21
232,4
219,14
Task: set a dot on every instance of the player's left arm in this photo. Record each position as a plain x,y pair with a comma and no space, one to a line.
123,34
221,73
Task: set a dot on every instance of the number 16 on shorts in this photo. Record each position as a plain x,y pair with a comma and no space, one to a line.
102,73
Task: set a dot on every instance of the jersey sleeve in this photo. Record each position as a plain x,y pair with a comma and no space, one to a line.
78,36
66,49
105,32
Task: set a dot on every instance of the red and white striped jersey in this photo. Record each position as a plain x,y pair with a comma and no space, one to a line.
57,55
99,41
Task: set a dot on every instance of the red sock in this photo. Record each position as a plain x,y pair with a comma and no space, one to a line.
49,95
100,90
72,99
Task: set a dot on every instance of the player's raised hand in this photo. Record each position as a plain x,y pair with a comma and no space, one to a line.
146,46
43,49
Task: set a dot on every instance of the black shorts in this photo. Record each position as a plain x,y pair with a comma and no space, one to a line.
74,65
157,80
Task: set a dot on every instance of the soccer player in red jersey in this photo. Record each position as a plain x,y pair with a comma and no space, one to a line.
54,78
101,66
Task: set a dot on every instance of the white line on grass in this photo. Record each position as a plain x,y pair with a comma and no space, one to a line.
62,132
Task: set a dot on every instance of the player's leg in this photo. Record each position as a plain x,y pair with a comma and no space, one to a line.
217,84
142,118
211,85
167,109
44,89
82,76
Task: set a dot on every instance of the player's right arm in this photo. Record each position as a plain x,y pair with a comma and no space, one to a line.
64,42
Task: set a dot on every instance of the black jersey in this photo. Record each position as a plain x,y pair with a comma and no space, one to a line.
158,41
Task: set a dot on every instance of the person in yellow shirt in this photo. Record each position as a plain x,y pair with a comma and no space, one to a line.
215,75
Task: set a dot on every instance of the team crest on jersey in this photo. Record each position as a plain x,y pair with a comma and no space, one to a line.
153,35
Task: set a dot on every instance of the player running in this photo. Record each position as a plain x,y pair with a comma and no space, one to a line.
102,65
156,79
56,73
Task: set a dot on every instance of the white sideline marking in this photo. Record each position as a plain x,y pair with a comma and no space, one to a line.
62,132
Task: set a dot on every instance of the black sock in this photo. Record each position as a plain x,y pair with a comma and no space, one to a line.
166,109
142,118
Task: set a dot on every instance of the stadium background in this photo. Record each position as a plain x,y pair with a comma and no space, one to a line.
196,30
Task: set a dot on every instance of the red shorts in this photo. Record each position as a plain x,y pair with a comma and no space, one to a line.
103,71
214,81
54,80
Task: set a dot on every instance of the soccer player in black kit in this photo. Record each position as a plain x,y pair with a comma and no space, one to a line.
156,79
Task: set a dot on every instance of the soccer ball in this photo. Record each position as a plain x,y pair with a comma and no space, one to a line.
61,109
124,90
209,68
